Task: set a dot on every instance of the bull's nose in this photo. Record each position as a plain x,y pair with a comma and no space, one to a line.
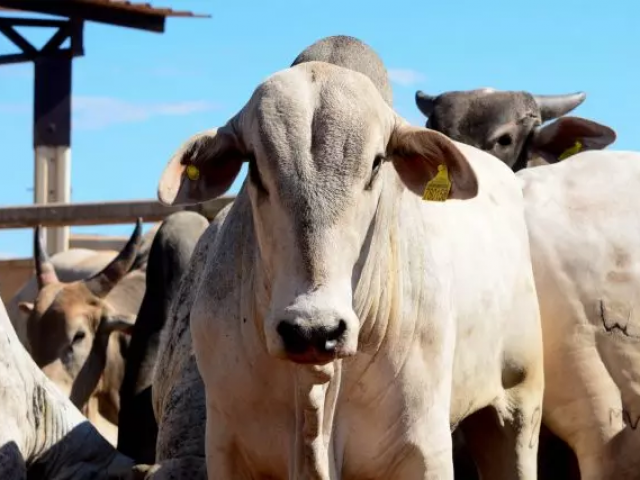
299,339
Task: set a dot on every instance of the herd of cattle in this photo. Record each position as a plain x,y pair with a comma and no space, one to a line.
380,300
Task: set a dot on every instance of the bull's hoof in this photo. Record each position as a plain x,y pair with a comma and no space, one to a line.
138,472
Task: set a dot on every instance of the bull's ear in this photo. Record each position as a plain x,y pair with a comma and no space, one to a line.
567,136
118,323
25,308
420,154
203,168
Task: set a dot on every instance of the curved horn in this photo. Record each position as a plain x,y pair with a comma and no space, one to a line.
554,106
103,282
45,273
425,102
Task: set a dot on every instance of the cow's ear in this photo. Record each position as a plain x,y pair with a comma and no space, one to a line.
430,165
117,323
203,168
568,136
25,308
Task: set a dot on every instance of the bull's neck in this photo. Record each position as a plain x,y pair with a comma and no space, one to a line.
376,278
66,444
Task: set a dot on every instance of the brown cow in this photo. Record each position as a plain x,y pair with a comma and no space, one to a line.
78,332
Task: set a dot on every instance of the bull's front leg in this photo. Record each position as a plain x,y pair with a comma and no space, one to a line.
189,468
503,437
427,455
426,451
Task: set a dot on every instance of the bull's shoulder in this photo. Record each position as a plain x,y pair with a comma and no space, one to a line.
496,181
178,394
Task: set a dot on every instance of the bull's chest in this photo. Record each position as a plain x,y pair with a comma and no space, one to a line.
259,420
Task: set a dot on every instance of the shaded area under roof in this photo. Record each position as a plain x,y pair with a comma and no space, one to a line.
121,13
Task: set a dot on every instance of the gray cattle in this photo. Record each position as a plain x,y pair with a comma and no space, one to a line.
509,124
78,331
168,259
351,53
341,323
42,435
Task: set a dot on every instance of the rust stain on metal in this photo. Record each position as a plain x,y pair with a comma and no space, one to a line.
125,5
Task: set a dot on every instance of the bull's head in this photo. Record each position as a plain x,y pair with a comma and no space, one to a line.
328,161
510,126
69,324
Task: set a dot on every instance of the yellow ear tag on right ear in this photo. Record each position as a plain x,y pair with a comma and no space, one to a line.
571,151
438,188
193,172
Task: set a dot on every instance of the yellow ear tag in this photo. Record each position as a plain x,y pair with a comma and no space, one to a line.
193,172
438,188
571,151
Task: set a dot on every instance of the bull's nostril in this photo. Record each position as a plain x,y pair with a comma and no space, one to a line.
329,340
298,339
294,337
337,332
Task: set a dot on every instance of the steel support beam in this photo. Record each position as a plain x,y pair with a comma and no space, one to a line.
51,111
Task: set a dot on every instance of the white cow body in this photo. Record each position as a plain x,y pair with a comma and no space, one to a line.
583,215
442,285
434,303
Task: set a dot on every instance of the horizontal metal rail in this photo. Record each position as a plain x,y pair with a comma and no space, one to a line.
100,213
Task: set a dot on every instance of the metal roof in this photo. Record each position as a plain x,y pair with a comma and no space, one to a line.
115,12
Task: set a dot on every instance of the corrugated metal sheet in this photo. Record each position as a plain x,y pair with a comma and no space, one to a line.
123,6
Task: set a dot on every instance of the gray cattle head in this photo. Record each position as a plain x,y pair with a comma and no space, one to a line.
326,155
69,324
508,124
352,53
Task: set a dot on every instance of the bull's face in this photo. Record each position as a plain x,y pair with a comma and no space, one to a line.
62,327
507,124
69,324
322,148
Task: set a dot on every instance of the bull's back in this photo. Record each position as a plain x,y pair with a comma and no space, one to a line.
584,220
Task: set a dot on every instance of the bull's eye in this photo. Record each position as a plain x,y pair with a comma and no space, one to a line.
78,337
254,175
375,168
505,140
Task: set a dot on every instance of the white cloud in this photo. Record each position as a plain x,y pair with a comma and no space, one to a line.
405,76
92,112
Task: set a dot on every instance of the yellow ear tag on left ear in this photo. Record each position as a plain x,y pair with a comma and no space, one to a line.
193,172
571,151
438,188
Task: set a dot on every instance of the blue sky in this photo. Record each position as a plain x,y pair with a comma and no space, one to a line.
139,95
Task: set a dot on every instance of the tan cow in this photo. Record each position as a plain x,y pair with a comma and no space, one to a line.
77,332
72,265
